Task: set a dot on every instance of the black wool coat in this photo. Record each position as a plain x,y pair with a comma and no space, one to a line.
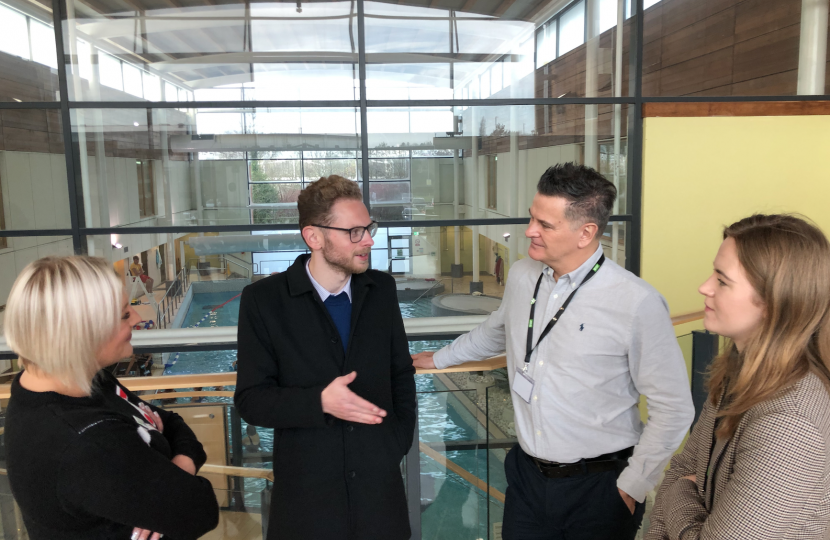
333,480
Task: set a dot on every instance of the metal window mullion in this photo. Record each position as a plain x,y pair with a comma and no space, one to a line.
94,231
5,233
29,36
409,103
633,244
558,35
364,119
76,209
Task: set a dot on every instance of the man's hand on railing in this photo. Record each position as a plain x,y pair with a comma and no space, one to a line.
424,360
344,404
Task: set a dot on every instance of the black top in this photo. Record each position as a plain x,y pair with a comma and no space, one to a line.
95,467
333,480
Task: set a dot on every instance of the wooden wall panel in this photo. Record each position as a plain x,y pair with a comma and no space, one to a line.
767,54
744,108
758,17
26,81
699,39
40,130
697,74
704,48
678,14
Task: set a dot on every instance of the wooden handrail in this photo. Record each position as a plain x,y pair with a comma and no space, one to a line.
219,380
208,380
171,382
244,472
490,364
687,318
442,460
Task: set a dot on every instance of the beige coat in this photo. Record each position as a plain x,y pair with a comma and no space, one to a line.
771,480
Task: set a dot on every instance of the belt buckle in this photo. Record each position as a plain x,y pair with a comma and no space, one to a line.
553,469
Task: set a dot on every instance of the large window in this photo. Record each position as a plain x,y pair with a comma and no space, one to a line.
184,133
27,37
209,119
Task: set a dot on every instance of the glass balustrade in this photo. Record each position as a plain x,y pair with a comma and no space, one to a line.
465,429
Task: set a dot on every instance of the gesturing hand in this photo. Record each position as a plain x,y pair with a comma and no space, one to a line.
344,404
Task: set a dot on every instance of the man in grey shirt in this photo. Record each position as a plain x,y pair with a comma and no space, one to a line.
585,461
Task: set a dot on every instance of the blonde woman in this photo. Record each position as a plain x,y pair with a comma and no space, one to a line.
86,458
756,465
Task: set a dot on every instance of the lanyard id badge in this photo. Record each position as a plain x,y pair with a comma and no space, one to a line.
530,346
523,385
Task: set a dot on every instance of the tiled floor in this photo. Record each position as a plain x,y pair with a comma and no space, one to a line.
147,311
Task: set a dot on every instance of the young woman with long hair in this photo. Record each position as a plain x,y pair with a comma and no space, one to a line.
756,465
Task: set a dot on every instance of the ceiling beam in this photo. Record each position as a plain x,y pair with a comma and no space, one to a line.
504,6
468,6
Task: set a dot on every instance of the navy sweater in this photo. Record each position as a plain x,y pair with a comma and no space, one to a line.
340,309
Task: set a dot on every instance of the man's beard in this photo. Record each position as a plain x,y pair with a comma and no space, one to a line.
344,263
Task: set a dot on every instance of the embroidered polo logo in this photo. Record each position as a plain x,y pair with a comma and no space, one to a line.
582,327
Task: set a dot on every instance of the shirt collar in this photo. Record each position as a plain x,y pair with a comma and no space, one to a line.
324,294
576,277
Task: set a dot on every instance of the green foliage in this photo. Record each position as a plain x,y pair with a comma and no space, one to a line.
257,172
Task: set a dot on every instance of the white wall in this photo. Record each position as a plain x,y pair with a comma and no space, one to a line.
35,191
224,182
35,196
122,190
23,250
532,163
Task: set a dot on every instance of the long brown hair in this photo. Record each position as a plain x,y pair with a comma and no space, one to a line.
787,261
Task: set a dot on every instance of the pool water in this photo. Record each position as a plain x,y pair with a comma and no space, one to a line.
452,508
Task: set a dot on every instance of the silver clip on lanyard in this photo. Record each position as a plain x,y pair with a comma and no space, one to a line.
552,323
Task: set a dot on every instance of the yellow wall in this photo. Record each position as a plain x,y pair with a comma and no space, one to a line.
700,174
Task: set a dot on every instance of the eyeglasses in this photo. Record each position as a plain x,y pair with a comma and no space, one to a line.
355,233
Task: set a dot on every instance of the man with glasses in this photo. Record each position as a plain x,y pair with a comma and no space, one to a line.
324,361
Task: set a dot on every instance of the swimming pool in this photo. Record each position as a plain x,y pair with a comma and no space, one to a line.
451,506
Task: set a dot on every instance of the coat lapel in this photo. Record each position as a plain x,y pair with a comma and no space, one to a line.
361,283
707,424
714,463
707,465
299,284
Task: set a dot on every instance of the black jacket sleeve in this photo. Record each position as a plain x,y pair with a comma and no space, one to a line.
259,398
181,438
112,473
403,378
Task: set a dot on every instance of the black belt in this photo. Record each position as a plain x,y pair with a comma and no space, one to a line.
614,461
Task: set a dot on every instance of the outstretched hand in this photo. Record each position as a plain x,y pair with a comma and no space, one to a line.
344,404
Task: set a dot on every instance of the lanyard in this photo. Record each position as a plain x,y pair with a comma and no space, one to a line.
552,323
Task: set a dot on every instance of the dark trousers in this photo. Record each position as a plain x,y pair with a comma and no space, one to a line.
586,507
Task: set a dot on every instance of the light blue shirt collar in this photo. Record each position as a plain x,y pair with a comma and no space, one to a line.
576,277
324,294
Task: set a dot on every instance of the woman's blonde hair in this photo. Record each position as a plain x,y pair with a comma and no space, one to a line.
787,261
60,312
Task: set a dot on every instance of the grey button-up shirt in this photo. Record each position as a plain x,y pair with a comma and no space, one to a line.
614,342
